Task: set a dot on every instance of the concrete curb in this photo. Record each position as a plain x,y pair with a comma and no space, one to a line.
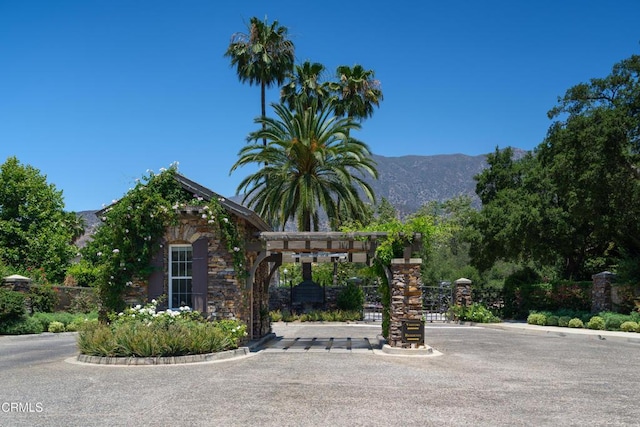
629,337
155,361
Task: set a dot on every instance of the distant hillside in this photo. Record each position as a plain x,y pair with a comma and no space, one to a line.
407,182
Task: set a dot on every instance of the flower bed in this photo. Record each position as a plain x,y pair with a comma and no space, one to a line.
146,332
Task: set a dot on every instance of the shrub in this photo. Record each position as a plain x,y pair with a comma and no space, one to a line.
575,323
47,318
11,305
553,320
276,315
563,321
56,327
23,325
143,332
476,312
613,320
539,319
351,297
630,326
596,322
43,298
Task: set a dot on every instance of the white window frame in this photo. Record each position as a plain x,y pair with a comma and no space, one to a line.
176,276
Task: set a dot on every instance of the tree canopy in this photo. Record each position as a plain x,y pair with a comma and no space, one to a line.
35,230
574,202
311,164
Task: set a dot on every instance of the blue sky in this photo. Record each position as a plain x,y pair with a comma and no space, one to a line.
95,93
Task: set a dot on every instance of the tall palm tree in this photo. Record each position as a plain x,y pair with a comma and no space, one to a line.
356,92
311,165
304,84
262,56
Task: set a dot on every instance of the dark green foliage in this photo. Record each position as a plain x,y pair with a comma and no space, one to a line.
46,319
20,326
614,320
524,293
573,204
11,305
43,298
553,320
351,298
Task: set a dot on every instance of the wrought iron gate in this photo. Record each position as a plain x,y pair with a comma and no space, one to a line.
436,300
372,308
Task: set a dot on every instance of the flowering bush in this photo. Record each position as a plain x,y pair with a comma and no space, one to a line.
141,331
122,248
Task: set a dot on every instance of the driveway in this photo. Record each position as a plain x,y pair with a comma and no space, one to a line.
484,377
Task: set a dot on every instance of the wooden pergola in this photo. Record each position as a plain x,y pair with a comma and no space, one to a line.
277,248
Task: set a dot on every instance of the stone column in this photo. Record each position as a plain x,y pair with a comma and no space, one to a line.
462,292
601,291
406,301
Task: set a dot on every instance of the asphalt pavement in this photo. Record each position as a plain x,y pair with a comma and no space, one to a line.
500,375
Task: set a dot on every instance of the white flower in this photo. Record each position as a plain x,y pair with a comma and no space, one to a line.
221,199
126,230
138,307
236,249
154,302
211,221
116,251
104,218
99,254
204,216
206,208
225,219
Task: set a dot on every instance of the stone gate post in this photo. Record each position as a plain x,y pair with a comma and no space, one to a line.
462,292
601,291
406,329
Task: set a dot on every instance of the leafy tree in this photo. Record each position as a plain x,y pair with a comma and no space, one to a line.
385,211
305,85
574,203
356,92
311,165
264,55
33,231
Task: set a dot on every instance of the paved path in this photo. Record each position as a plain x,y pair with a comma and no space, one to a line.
512,376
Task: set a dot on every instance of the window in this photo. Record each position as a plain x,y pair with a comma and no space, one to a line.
180,275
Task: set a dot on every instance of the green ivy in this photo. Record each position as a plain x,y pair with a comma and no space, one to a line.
122,248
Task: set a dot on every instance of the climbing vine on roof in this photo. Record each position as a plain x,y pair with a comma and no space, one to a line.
132,229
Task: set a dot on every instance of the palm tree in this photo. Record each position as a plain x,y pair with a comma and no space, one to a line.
262,56
356,92
304,84
311,165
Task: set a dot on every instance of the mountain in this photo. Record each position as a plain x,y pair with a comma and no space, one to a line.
408,182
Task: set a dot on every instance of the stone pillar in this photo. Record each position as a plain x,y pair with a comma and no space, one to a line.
601,291
406,302
462,292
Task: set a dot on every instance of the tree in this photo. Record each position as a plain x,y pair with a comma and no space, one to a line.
262,56
305,85
33,231
311,165
356,92
573,204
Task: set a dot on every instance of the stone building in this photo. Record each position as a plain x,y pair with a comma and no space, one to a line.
195,268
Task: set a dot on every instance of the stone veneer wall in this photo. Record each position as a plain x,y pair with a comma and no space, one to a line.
227,295
462,292
601,291
406,298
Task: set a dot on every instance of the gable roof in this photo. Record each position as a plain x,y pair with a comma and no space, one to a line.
207,194
234,208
